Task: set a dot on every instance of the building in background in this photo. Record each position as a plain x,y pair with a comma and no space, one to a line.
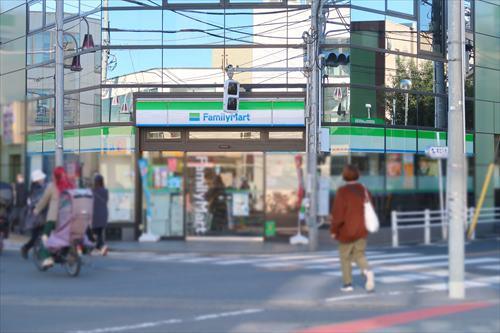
382,109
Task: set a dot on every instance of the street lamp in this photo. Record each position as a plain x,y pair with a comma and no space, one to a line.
88,43
368,110
405,84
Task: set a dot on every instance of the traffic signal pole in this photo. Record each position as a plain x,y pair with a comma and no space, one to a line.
59,114
312,124
456,181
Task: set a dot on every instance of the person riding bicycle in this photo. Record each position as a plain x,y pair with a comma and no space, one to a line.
34,224
59,184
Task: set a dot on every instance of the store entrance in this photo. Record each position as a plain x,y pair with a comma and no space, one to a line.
224,193
220,183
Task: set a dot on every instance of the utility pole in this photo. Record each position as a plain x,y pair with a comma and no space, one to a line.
456,182
59,116
312,124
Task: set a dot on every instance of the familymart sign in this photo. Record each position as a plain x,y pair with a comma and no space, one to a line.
204,113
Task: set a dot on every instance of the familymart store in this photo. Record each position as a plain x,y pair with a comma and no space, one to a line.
204,172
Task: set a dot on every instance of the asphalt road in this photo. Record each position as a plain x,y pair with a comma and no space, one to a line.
145,292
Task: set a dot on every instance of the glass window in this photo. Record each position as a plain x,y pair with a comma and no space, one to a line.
426,110
40,114
486,17
12,24
50,12
35,15
71,7
401,6
400,172
371,4
163,135
401,35
113,107
367,106
12,86
135,66
487,51
40,81
12,55
223,135
286,135
7,5
191,1
89,5
336,104
403,108
90,107
40,48
364,16
146,29
71,109
431,25
127,3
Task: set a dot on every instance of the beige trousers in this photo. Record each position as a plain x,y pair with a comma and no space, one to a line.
349,252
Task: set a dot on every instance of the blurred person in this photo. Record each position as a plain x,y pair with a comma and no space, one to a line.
34,223
100,214
20,200
216,197
6,203
348,228
50,198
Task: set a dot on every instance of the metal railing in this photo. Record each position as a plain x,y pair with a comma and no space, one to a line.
428,219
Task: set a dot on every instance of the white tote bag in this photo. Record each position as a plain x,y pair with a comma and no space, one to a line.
371,220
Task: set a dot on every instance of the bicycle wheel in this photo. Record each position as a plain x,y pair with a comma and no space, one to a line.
73,262
37,259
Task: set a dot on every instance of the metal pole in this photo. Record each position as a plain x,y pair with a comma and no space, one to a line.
59,116
456,183
393,111
444,227
406,109
312,122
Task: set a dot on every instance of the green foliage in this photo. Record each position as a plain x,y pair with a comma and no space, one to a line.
422,79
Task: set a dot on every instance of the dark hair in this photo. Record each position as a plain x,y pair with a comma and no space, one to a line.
98,181
350,173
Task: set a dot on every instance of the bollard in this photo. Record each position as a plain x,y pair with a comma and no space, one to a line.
427,227
394,227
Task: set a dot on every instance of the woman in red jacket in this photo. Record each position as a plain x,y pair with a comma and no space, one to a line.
348,228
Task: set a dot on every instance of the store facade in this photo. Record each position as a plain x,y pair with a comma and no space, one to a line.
205,172
162,47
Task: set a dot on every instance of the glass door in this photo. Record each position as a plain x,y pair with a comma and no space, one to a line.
163,202
225,193
285,189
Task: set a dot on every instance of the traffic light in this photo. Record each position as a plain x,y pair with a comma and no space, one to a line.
231,96
333,59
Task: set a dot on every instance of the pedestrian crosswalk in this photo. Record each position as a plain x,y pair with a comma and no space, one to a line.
423,270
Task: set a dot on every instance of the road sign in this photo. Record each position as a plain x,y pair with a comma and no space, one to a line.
437,152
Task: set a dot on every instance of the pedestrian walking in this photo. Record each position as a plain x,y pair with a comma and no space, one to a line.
100,214
20,200
50,198
34,223
348,228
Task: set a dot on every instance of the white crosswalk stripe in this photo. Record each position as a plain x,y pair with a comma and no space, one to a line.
424,270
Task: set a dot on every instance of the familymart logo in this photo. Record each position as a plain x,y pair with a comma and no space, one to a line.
206,117
194,116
